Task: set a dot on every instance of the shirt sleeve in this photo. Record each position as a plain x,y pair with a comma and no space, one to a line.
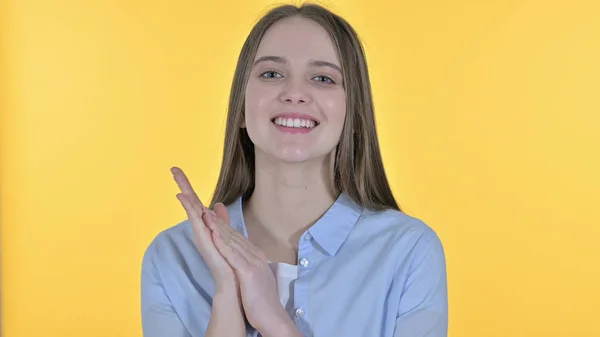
423,309
159,319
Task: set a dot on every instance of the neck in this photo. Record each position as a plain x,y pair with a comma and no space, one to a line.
289,198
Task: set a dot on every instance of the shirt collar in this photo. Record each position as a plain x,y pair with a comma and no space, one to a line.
333,228
330,231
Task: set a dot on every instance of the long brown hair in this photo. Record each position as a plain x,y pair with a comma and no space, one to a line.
358,165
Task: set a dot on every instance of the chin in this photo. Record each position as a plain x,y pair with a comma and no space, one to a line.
280,152
292,156
295,155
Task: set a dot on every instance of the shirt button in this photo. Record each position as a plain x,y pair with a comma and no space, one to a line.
299,312
304,262
307,237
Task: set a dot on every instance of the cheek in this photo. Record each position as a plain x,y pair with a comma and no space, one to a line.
334,107
257,99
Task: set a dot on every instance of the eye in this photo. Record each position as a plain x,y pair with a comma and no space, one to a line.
324,79
271,74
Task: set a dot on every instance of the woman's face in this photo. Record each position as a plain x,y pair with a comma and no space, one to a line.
295,98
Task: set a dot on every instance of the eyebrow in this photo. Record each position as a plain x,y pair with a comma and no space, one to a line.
313,63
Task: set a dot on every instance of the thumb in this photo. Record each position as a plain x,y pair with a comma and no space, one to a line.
221,212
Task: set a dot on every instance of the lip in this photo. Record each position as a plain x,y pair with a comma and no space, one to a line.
296,115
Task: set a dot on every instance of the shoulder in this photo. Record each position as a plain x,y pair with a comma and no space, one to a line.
396,224
416,262
174,276
405,237
173,260
174,245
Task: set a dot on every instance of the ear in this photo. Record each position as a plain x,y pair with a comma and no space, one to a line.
243,124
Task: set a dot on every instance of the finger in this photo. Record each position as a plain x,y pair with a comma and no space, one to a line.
227,232
252,253
182,180
212,219
232,240
209,220
235,259
218,222
189,208
221,212
195,218
186,188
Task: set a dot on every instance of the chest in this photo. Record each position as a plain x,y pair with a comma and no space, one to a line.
277,251
329,298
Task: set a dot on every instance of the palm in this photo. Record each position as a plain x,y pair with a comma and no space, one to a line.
221,271
257,282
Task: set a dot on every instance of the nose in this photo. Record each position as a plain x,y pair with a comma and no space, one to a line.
294,92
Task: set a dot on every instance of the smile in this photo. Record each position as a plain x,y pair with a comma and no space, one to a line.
295,122
294,125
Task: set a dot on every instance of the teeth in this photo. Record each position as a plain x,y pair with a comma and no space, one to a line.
295,122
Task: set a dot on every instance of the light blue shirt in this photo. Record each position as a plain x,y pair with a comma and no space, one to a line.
360,274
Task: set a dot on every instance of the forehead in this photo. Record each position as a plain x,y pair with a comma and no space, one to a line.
298,39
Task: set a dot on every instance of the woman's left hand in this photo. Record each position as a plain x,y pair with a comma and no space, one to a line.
258,288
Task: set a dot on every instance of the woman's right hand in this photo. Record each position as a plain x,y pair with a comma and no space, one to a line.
222,273
227,315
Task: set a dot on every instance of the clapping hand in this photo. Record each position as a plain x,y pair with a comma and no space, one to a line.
238,267
222,273
260,300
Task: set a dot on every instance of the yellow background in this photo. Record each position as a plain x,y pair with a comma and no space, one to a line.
488,114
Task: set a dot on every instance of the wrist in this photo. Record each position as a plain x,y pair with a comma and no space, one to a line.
229,299
227,289
282,327
227,316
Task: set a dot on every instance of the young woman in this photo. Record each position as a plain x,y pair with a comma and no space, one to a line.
303,236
